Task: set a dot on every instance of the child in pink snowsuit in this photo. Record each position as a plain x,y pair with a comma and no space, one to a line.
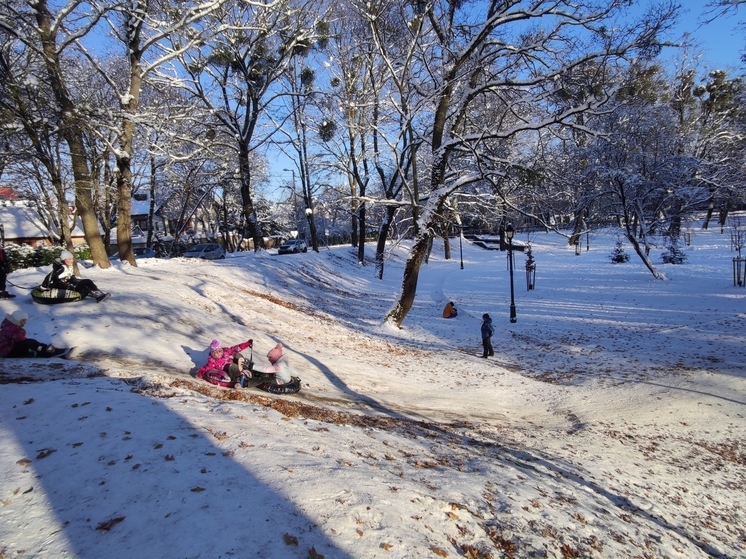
220,358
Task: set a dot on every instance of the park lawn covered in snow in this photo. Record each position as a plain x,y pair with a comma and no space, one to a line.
610,422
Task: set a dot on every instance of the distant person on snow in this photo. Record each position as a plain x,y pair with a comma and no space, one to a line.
487,331
219,361
284,382
14,343
63,276
450,311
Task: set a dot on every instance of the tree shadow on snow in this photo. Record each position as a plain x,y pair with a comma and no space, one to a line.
125,476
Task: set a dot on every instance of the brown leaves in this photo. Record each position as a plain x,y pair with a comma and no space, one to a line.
473,553
290,540
439,552
23,462
219,435
386,546
45,452
313,554
109,524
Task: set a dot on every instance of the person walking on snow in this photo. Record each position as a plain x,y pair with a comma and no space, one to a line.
63,276
487,331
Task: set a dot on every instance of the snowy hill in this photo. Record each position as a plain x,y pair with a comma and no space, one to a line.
610,422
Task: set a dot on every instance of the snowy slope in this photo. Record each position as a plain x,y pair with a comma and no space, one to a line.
609,424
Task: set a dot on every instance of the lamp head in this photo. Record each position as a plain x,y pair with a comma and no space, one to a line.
509,231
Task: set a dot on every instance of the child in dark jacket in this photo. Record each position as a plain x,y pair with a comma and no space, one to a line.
63,276
487,331
14,343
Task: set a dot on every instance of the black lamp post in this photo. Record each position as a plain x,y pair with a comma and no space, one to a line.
460,246
509,232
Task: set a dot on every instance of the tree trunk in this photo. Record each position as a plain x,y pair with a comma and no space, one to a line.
361,235
383,234
643,254
73,135
409,282
252,222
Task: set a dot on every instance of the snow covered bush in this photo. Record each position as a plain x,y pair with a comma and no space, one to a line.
618,256
26,256
673,254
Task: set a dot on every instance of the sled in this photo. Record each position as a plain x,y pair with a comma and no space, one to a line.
289,388
218,378
54,296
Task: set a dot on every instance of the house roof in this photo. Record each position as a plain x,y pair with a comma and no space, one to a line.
22,222
8,193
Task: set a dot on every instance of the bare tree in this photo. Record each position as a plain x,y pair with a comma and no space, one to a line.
52,35
472,60
233,76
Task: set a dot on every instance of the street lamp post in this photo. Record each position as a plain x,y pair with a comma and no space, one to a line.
460,246
509,232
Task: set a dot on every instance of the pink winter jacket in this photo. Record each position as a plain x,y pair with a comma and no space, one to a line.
10,334
223,360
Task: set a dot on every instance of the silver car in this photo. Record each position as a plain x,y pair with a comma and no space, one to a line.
207,251
293,246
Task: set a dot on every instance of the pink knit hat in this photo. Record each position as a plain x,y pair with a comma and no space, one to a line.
275,353
215,344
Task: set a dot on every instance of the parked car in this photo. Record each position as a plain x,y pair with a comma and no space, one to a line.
207,251
144,252
293,246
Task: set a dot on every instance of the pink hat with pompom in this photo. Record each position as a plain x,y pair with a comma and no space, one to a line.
275,353
215,345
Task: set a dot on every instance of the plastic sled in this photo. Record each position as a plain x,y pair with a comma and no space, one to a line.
54,296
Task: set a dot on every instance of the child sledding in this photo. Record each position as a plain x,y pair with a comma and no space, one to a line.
283,382
14,343
219,362
228,367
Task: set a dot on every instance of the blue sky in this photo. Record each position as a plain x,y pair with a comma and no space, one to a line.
721,40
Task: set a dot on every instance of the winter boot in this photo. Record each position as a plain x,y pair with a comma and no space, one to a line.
52,351
99,295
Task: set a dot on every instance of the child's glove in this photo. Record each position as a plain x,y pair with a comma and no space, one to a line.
251,343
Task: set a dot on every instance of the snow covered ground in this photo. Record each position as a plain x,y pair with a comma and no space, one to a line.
610,423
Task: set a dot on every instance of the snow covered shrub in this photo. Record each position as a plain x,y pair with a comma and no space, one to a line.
618,256
674,254
25,256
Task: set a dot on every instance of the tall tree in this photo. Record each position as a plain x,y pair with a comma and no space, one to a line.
510,53
234,75
52,35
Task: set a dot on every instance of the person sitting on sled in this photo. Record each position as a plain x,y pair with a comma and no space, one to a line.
284,382
14,343
63,276
450,311
220,358
239,370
